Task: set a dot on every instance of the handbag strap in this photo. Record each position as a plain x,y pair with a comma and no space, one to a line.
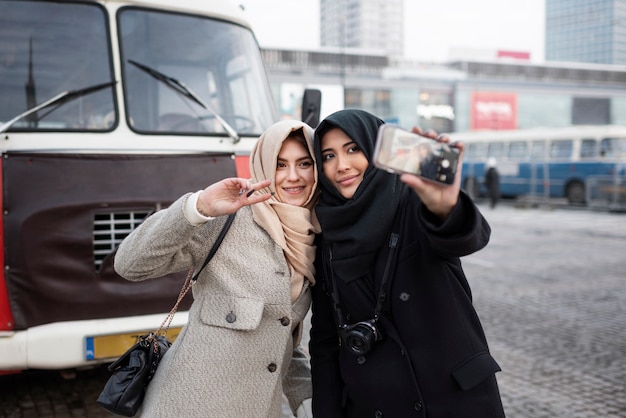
215,246
190,280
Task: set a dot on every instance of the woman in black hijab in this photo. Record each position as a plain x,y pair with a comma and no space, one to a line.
394,332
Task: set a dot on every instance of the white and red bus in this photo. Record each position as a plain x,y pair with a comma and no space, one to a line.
109,110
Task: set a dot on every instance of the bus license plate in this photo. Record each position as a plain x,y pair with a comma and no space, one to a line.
111,346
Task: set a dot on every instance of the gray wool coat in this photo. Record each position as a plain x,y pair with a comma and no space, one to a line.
235,357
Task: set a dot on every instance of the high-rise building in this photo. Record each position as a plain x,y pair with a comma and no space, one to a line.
366,24
592,31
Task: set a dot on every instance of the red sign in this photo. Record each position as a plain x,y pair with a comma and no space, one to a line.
514,54
495,111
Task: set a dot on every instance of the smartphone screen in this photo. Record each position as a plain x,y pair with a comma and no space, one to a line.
400,151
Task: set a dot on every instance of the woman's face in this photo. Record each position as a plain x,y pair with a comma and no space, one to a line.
343,161
295,173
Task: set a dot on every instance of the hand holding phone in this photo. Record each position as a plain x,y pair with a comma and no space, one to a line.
400,151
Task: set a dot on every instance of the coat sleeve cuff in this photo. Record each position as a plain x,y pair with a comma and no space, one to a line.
190,210
452,222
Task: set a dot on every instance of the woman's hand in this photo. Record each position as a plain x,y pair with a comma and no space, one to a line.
440,199
228,195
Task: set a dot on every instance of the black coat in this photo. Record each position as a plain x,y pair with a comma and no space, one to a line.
492,182
433,359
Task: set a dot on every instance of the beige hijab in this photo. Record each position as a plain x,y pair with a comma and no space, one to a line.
291,227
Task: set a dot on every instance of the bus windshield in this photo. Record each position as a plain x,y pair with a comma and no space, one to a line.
48,49
219,61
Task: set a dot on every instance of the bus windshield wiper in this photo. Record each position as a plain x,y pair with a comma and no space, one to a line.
180,88
57,100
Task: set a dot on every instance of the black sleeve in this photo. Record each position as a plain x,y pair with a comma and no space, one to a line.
464,232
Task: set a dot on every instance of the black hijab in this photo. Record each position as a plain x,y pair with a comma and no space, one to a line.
356,228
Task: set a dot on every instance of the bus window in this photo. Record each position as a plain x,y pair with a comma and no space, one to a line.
588,148
242,82
538,150
476,151
561,148
219,62
496,150
52,48
613,147
518,150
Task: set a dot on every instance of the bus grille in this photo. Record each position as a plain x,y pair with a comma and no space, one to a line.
109,229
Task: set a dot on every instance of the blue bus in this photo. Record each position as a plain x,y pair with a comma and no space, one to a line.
545,162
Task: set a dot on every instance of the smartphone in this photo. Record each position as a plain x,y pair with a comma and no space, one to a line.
400,151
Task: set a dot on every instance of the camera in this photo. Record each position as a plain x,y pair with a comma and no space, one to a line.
400,151
359,338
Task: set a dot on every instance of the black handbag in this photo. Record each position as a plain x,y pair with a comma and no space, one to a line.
124,391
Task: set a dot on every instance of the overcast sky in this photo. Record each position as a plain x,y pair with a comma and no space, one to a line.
432,27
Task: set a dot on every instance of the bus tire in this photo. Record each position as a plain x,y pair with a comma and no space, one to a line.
575,192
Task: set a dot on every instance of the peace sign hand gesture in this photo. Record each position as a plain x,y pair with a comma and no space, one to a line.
228,195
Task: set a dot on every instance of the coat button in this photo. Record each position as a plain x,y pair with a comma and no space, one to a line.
361,359
231,317
418,406
284,321
404,296
272,367
378,414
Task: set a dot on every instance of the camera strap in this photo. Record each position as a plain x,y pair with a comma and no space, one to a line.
382,294
328,268
393,244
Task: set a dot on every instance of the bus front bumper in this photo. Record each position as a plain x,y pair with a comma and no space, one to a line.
75,344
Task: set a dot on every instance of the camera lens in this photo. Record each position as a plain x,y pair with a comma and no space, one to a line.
360,338
358,345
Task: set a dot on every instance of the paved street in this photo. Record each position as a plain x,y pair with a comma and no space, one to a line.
551,291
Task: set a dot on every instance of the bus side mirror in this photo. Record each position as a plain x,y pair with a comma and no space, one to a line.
311,103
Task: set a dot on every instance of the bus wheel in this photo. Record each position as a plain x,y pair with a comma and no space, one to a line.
575,193
471,187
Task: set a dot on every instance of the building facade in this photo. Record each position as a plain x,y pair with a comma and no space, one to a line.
456,96
375,25
592,31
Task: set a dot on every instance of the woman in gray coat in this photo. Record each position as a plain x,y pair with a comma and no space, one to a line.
239,352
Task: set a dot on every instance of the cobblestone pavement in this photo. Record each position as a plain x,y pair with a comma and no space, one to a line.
550,289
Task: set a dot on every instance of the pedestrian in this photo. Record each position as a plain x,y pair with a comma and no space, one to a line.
492,182
239,352
394,332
